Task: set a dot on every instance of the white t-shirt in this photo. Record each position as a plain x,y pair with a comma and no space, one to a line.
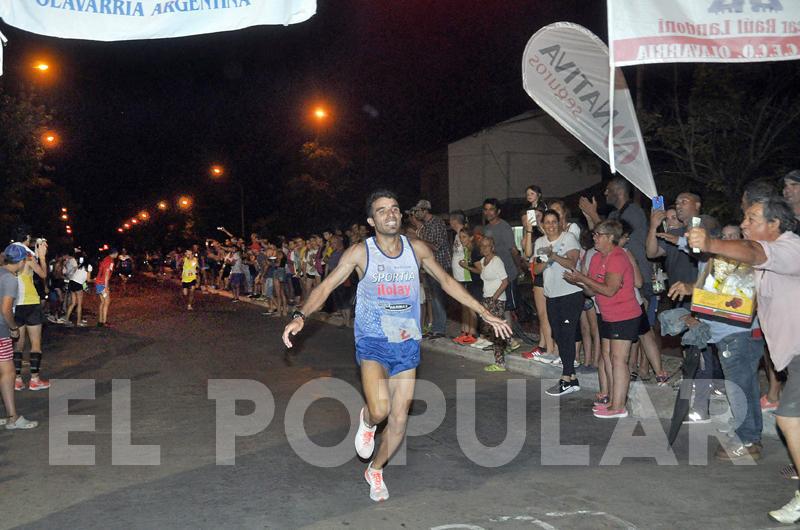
79,276
493,274
554,283
459,272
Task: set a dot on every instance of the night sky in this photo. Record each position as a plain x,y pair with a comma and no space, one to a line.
144,120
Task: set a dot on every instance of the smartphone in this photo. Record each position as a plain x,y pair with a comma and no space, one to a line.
658,202
532,217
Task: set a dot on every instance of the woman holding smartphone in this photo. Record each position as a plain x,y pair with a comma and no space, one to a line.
531,220
557,252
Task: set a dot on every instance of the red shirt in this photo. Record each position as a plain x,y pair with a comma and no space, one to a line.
623,305
107,265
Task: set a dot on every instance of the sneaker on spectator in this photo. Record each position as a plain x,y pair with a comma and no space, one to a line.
537,351
610,413
738,452
38,384
767,405
82,324
513,344
52,318
548,358
19,384
563,387
789,513
469,339
458,339
695,417
61,320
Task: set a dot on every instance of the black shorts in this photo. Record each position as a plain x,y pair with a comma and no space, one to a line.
74,287
28,315
187,285
622,330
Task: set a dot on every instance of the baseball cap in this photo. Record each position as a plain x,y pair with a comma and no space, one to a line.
422,205
16,252
792,175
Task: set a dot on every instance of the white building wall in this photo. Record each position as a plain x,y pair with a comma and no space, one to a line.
503,160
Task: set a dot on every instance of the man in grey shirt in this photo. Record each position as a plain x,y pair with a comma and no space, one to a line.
506,250
618,196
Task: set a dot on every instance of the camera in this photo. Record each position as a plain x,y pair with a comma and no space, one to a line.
541,258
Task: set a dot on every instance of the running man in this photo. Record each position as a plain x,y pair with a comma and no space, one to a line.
189,276
102,286
125,268
387,326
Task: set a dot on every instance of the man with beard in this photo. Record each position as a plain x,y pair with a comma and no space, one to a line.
387,325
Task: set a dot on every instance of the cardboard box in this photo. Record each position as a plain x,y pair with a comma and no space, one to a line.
739,308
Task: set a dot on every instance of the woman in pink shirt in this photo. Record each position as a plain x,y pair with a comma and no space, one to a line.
611,280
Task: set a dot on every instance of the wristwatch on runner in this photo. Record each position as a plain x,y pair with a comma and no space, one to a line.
298,314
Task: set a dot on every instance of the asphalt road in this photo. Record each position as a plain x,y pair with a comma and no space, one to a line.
311,477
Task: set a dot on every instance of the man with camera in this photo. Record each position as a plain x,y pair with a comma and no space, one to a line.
28,311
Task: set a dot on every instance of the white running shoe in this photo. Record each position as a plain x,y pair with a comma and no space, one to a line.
788,514
365,437
377,487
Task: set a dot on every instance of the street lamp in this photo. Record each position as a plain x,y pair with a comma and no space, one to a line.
184,202
134,220
127,226
162,205
217,171
143,215
41,66
50,139
120,230
64,217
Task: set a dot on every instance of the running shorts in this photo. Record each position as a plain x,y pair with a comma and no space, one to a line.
28,315
6,349
396,357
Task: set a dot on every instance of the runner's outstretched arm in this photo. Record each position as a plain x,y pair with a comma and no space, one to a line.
457,291
351,258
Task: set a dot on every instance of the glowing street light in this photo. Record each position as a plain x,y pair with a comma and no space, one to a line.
134,220
120,229
127,226
68,227
50,139
41,66
162,205
217,171
143,215
320,113
184,202
64,216
63,210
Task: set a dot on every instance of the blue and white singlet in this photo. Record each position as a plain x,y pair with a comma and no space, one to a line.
387,299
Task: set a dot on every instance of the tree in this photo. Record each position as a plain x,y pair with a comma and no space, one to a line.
718,127
27,194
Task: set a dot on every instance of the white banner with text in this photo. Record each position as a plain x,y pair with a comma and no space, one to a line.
659,31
